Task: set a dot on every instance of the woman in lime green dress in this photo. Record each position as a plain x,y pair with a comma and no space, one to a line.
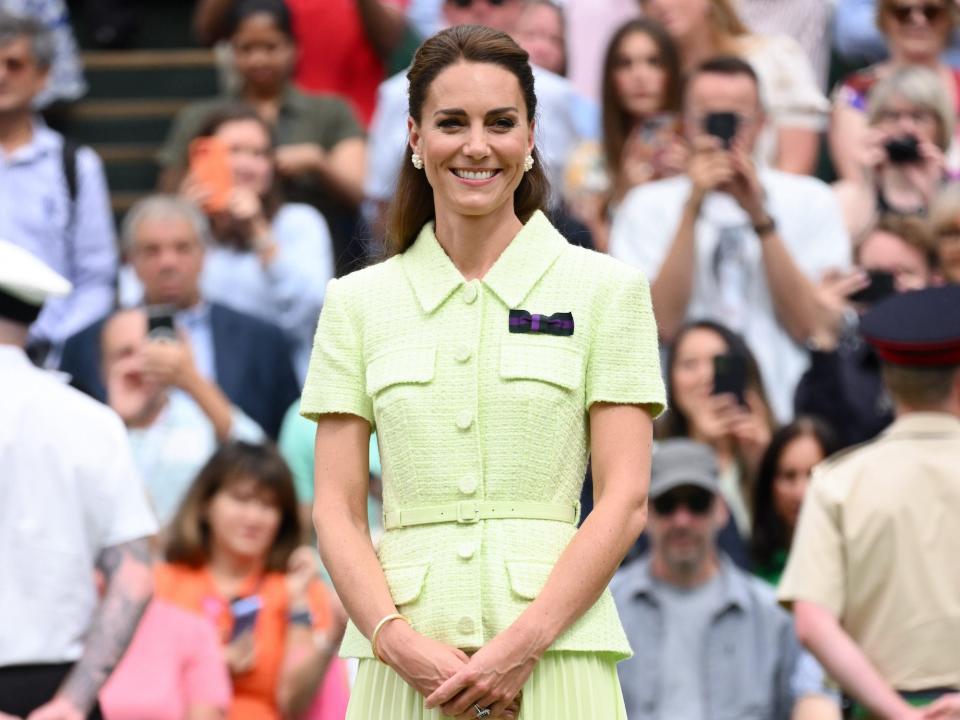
492,358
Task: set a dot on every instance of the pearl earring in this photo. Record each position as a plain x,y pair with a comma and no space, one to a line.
417,161
528,163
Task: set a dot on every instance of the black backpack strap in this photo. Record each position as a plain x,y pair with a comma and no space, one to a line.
70,177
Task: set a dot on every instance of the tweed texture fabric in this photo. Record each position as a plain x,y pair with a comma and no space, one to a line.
467,411
563,686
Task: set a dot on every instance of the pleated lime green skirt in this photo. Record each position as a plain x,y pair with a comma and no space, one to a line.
563,686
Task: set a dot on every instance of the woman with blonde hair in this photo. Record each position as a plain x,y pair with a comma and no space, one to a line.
945,223
788,87
917,34
903,152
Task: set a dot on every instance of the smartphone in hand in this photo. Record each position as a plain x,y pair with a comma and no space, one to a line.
160,323
210,165
722,125
730,377
244,611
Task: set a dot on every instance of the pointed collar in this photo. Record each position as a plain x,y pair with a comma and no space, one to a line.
524,261
734,590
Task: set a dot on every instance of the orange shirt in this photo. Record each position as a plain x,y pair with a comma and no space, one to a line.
255,691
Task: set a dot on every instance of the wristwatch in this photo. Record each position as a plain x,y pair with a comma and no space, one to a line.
765,227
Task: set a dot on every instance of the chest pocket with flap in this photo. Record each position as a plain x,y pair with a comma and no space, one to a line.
405,366
552,364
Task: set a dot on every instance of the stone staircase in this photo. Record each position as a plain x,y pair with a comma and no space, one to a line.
134,95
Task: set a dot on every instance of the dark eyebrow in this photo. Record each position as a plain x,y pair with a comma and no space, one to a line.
461,112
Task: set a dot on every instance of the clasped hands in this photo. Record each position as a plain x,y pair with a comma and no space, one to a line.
448,678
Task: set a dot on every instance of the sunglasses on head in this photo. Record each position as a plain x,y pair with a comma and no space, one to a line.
468,3
697,500
903,13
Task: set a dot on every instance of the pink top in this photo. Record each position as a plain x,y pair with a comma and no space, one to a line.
173,662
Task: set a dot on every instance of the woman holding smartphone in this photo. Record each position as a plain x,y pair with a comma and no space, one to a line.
233,557
493,357
705,358
641,90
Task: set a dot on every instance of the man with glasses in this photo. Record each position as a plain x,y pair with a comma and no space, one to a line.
732,242
53,199
710,640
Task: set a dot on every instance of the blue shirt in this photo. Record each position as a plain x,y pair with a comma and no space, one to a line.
35,212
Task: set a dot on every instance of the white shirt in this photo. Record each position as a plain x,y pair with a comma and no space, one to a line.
68,490
171,452
561,126
729,281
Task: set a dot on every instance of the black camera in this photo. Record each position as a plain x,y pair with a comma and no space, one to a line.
722,125
903,150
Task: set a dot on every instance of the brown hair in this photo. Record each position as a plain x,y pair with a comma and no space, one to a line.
920,388
412,204
912,230
617,122
241,112
190,540
725,22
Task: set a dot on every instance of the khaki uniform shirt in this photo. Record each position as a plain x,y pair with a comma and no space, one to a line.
878,544
467,411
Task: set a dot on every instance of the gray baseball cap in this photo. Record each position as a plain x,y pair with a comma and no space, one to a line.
679,461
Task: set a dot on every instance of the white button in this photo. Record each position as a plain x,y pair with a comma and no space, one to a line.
465,419
466,625
466,550
468,485
469,293
462,353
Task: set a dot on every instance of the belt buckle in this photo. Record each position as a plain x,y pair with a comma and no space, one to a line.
468,512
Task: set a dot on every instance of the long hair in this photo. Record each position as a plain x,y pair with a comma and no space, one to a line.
674,423
237,111
725,21
770,534
190,540
412,205
617,122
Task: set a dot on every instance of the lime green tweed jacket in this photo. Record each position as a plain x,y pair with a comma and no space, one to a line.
466,410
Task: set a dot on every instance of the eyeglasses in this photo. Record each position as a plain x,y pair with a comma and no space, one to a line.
468,3
697,500
904,13
916,116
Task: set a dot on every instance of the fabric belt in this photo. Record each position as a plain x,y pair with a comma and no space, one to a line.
472,511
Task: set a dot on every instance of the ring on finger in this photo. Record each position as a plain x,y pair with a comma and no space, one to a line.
481,712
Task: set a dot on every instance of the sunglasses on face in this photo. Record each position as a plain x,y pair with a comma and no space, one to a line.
904,13
468,3
696,500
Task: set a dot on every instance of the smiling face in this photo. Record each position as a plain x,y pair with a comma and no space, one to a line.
692,374
250,154
473,136
244,519
917,30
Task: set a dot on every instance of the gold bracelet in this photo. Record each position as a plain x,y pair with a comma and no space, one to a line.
380,625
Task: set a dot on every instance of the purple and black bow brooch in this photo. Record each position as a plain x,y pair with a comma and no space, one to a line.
522,321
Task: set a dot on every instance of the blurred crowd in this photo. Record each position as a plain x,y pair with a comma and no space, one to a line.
775,167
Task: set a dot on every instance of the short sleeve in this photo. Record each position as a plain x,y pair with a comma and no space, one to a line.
205,677
336,380
789,84
624,361
815,568
185,126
